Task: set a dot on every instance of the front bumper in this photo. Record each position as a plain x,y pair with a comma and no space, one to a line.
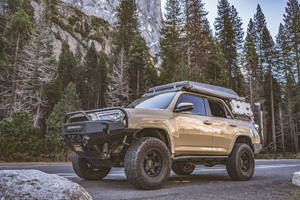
92,139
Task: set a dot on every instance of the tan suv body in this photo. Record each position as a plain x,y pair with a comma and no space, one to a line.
169,128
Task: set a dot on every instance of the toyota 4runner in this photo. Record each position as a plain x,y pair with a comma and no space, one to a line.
175,126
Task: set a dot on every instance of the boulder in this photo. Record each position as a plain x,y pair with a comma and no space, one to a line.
34,184
296,179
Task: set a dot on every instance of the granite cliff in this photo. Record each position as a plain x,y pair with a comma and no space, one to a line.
150,16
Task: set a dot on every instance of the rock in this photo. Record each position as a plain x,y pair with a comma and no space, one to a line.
150,16
296,179
34,184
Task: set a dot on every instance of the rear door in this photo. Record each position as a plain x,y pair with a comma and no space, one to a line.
194,128
224,127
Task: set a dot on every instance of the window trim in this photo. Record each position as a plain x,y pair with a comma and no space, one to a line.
227,111
191,94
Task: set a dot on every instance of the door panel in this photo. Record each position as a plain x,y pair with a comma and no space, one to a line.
194,128
194,136
223,133
224,127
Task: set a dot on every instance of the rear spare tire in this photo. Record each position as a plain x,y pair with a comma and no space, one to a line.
241,163
86,170
183,168
147,164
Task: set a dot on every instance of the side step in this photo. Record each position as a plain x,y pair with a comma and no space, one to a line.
186,158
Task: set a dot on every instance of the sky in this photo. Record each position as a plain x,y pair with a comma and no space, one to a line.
273,10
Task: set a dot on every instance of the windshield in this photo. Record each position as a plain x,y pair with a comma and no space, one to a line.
161,101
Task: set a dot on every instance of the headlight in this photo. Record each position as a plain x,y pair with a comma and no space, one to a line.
114,116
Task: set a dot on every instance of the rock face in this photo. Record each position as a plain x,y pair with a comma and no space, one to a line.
296,179
150,16
34,184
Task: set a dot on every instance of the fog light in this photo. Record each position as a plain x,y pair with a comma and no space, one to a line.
86,140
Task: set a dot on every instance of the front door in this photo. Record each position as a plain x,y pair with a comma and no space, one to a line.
194,133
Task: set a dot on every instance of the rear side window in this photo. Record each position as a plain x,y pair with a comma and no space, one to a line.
199,107
217,109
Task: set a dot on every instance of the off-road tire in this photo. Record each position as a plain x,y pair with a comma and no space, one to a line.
183,168
84,169
140,156
241,163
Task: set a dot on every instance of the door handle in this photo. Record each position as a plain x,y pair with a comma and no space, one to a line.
207,122
233,125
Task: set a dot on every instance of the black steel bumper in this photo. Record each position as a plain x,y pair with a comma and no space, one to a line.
87,137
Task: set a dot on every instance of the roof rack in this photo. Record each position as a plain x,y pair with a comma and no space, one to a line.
200,88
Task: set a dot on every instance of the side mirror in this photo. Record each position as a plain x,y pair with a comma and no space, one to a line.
184,107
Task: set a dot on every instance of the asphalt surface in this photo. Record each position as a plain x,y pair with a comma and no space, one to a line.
271,180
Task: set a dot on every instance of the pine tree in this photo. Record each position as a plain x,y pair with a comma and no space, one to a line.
229,33
268,53
119,81
69,102
292,30
12,6
172,41
139,63
91,79
29,10
18,137
127,24
260,23
66,64
215,72
250,63
102,80
37,68
198,34
292,24
2,27
16,35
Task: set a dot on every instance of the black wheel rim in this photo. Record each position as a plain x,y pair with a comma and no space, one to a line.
245,162
92,167
153,163
187,166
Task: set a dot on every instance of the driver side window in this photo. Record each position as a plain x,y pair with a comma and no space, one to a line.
199,106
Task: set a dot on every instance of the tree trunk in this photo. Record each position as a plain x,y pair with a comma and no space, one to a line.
188,37
15,83
37,116
272,113
281,129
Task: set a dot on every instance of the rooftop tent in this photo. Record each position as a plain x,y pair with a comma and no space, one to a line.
201,88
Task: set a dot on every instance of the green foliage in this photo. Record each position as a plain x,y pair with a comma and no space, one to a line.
12,6
229,32
72,20
18,137
29,10
69,102
127,24
140,67
66,64
172,44
19,25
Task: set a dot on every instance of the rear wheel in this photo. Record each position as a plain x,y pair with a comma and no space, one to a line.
241,163
183,168
148,164
86,170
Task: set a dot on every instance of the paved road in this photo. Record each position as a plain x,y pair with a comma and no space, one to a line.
271,180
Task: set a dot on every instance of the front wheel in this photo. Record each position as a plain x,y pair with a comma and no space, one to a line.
148,164
183,168
86,170
241,163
